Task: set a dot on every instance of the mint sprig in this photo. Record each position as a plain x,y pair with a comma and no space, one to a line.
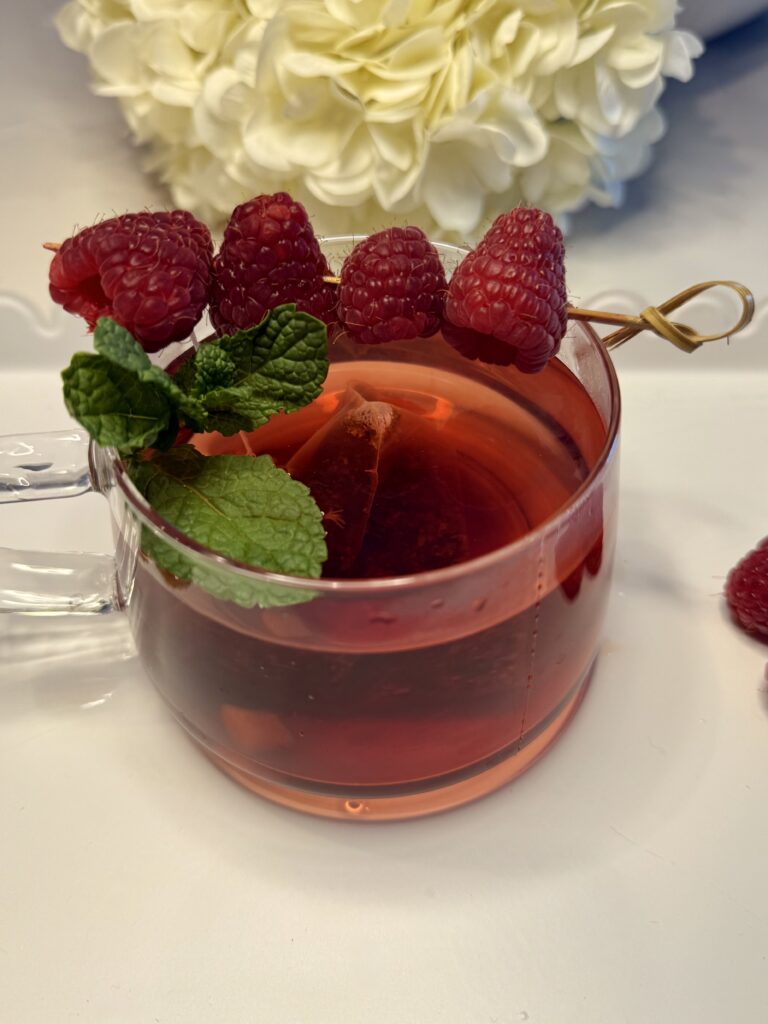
232,383
241,507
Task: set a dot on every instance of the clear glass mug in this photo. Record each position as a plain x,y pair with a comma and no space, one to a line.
360,699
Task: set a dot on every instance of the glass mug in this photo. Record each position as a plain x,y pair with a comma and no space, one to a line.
369,699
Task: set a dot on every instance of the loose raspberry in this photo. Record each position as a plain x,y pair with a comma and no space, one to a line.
149,271
392,287
269,256
506,300
746,591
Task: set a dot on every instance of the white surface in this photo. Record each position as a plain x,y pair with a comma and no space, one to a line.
621,881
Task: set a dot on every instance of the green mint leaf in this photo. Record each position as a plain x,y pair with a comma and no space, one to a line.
213,368
277,366
231,418
119,346
232,409
167,438
184,377
114,405
242,507
240,346
287,359
190,408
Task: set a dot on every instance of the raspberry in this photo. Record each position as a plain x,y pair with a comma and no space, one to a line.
392,287
149,271
746,591
506,301
269,256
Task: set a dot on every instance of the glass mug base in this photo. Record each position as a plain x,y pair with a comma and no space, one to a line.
417,799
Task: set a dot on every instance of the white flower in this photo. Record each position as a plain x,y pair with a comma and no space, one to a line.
437,111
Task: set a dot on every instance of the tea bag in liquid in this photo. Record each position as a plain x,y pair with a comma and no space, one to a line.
340,465
389,488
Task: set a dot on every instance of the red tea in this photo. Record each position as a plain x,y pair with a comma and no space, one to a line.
355,696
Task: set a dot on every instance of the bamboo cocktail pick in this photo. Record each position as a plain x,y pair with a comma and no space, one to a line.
655,319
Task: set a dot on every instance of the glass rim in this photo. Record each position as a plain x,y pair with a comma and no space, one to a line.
180,540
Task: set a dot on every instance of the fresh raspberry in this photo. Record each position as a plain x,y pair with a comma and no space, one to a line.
269,256
149,271
746,591
392,287
506,300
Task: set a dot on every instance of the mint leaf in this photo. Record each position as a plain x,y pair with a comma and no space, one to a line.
119,346
242,507
188,406
121,398
276,366
213,369
290,353
284,359
114,405
238,408
184,377
228,421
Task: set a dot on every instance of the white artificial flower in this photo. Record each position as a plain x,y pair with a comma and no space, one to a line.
378,111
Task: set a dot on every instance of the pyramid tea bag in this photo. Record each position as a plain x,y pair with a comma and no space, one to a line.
417,522
389,487
340,465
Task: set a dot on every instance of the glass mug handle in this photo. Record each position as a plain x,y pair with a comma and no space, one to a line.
34,467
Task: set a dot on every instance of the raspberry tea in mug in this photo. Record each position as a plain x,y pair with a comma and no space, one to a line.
364,530
470,524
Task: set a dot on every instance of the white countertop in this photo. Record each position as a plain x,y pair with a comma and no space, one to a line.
620,881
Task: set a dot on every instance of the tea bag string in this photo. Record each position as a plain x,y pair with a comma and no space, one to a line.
655,319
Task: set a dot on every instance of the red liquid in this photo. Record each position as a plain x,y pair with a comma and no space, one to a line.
357,697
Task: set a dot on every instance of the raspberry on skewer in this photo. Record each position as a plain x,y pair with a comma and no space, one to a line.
151,272
269,256
507,301
392,287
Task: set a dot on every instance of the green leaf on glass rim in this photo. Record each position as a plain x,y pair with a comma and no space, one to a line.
114,404
244,508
